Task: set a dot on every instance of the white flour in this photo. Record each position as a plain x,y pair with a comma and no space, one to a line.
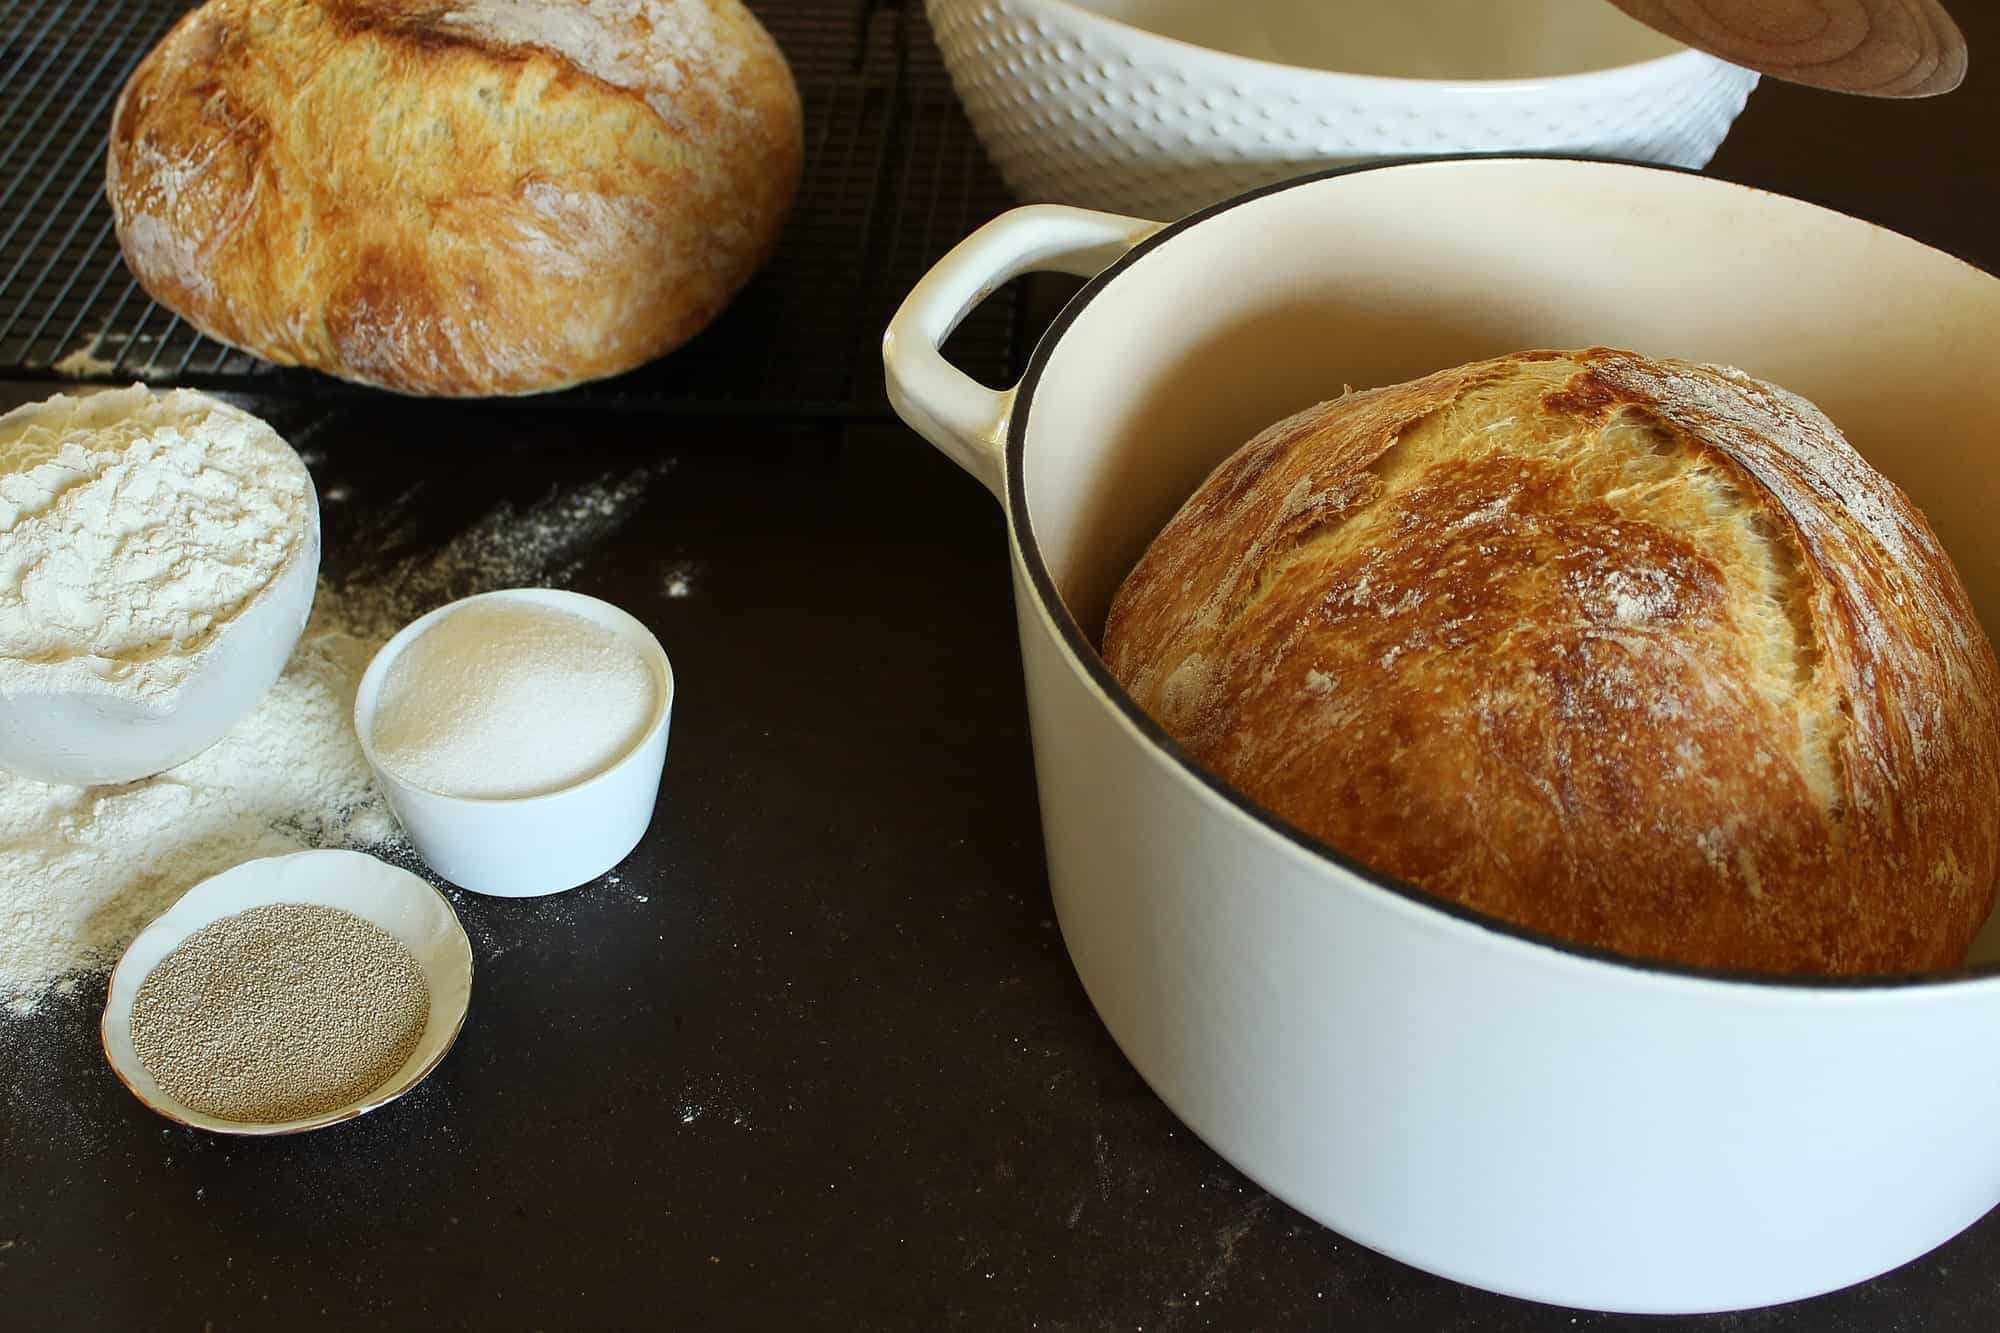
134,527
82,870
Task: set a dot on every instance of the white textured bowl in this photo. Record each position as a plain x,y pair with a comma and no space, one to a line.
78,733
1078,107
528,846
394,899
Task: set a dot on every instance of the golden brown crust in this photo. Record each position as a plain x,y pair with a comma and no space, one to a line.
455,196
1638,653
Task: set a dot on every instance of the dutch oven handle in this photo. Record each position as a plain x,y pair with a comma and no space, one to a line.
962,417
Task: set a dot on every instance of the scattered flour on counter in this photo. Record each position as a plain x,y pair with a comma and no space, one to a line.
82,870
717,1100
127,356
85,362
678,582
542,544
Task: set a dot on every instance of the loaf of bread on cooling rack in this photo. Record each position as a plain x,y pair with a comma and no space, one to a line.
455,196
1638,653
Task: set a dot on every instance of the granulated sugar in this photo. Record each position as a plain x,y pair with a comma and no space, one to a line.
505,699
280,1013
82,870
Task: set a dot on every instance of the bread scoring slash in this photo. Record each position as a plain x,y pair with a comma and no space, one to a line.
1638,653
455,197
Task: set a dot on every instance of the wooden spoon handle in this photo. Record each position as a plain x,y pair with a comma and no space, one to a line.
1879,48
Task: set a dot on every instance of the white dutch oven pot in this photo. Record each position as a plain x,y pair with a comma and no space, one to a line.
1477,1100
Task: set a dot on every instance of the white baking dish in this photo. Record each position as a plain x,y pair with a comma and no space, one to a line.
1482,1102
1157,107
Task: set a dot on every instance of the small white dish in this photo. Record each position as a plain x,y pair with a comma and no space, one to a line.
392,898
529,846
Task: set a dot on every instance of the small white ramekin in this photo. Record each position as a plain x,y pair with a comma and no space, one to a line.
524,847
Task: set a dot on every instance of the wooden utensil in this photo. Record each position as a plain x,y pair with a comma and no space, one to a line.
1878,48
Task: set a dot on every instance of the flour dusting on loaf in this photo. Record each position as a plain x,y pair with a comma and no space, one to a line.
653,47
1636,652
455,196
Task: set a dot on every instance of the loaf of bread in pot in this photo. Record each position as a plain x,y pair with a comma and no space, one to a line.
1638,653
455,197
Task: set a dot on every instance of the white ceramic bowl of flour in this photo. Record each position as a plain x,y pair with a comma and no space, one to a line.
519,736
158,557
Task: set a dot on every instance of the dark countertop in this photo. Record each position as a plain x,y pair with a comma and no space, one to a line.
817,1057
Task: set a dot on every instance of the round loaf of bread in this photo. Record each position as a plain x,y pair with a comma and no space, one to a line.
455,196
1637,653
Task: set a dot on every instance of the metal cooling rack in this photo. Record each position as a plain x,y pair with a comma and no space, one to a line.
893,178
